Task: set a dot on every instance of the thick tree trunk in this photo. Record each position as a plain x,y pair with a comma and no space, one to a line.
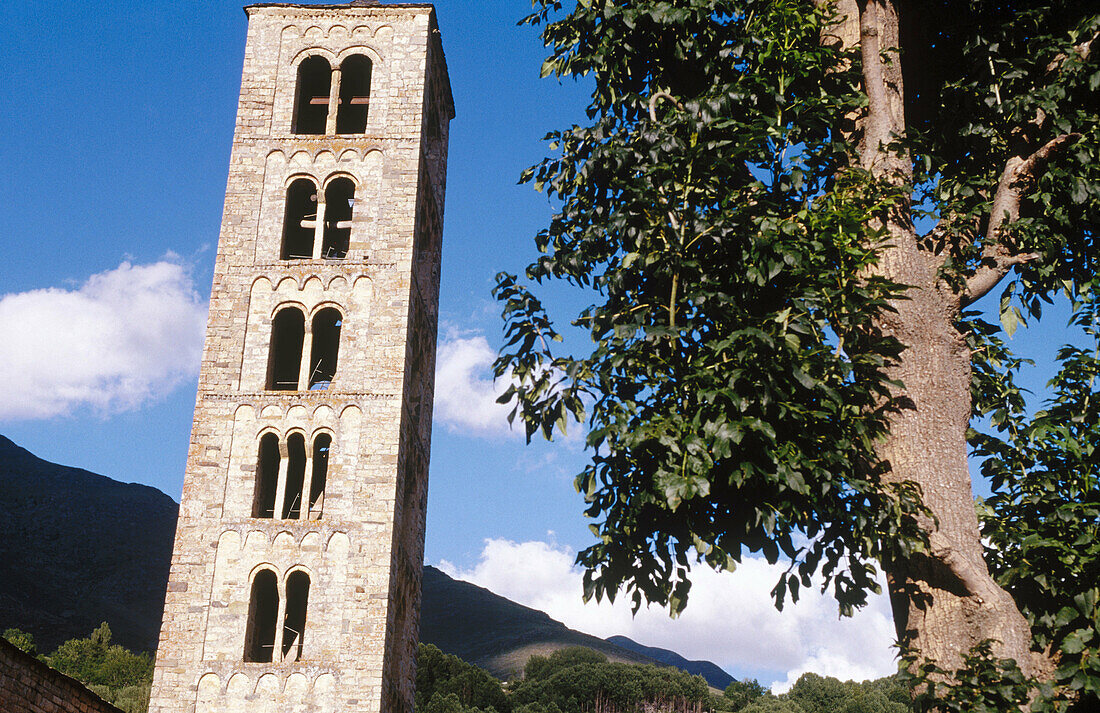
944,602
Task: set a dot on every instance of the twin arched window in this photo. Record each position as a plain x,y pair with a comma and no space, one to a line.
319,85
317,229
302,359
265,641
291,480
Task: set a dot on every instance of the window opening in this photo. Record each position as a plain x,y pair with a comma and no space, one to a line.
263,615
326,345
339,201
285,359
294,623
267,476
322,446
295,476
351,115
311,102
299,220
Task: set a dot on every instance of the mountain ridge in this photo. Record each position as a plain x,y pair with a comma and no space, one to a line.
707,669
527,632
76,541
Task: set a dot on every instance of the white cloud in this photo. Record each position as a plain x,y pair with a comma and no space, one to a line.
729,620
122,338
465,393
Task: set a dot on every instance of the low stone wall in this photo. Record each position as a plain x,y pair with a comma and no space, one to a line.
29,686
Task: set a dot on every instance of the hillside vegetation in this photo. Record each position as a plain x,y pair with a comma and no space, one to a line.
580,680
112,672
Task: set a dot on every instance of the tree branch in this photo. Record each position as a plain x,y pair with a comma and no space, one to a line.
883,124
1017,180
977,583
992,271
877,128
653,103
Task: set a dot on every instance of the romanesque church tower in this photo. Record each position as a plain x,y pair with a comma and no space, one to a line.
295,581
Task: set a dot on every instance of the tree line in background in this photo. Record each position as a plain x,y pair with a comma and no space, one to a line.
580,680
112,672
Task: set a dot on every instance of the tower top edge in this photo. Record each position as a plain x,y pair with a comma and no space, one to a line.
366,8
354,5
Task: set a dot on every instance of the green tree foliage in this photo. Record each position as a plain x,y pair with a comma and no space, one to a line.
132,699
812,693
578,680
817,694
722,416
542,667
128,699
22,640
739,694
114,673
772,704
825,694
726,208
571,680
1042,524
447,684
884,691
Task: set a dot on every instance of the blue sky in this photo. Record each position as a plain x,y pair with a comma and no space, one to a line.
118,119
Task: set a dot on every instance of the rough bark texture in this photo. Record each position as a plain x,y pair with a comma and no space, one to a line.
944,602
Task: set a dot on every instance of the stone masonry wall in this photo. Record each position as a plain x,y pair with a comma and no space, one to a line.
362,549
411,506
29,686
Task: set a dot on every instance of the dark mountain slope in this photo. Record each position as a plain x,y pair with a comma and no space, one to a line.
714,675
495,633
78,548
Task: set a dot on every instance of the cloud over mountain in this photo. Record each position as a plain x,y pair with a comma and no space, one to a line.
729,619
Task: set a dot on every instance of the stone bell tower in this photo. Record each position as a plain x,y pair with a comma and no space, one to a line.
295,580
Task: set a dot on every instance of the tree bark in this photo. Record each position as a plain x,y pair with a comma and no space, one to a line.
944,601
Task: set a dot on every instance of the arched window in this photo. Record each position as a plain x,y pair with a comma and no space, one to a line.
294,623
294,486
285,358
325,349
299,220
295,476
263,615
351,115
267,476
339,201
322,447
311,101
